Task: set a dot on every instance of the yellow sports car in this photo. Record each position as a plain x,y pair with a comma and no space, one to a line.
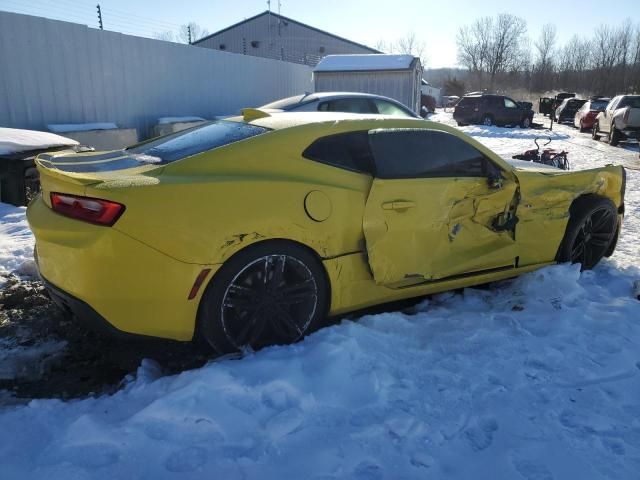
248,231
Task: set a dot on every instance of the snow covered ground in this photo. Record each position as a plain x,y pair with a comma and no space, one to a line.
536,378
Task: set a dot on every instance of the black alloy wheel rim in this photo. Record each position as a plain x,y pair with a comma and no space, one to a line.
272,300
594,238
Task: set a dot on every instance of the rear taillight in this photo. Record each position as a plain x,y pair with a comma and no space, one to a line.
92,210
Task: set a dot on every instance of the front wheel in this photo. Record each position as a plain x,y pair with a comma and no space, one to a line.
269,294
591,231
595,132
614,136
526,122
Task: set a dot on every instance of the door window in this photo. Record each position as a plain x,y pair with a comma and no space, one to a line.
421,153
388,108
510,103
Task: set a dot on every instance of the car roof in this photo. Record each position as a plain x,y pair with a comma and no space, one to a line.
280,120
312,97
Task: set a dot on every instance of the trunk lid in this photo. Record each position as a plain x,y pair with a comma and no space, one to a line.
72,173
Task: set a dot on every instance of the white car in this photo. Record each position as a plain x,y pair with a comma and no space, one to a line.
620,120
349,102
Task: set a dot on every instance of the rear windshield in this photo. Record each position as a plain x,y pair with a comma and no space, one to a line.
598,104
195,140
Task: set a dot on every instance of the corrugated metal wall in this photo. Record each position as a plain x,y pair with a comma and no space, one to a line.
402,86
59,72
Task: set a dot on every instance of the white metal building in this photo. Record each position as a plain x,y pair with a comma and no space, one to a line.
271,35
395,76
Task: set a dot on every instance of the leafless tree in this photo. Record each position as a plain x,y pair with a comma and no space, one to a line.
167,36
197,32
492,46
409,44
545,51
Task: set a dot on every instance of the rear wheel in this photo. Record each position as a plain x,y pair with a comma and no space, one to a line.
582,129
272,293
591,231
487,120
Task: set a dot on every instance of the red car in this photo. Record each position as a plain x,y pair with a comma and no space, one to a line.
587,114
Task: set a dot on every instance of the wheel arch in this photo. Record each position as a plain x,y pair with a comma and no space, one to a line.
581,201
252,246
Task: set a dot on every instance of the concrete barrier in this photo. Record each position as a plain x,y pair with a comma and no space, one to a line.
167,128
112,139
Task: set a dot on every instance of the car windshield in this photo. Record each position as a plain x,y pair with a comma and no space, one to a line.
633,102
195,140
288,102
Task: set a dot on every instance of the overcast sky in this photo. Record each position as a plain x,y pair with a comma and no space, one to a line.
434,22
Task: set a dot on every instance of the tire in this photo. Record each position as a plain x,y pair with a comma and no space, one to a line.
487,120
592,228
460,124
246,304
525,123
595,132
614,136
582,129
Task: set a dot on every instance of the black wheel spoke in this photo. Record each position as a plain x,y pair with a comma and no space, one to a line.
577,252
283,318
602,221
240,297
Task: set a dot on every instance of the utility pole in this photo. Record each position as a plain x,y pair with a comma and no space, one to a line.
99,16
189,32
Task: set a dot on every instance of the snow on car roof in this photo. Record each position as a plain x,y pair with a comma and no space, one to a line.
346,63
14,140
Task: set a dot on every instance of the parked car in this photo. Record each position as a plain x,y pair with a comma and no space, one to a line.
566,111
620,120
547,105
247,232
586,115
348,102
489,110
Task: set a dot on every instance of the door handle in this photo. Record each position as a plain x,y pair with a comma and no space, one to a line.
398,205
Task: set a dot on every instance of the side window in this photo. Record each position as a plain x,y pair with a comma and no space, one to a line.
388,108
613,104
415,153
510,103
349,105
495,102
345,150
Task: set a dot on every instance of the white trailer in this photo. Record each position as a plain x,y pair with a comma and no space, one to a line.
395,76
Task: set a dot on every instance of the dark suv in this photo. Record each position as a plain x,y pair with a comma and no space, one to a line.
492,110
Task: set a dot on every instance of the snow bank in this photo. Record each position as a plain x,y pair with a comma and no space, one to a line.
165,120
81,127
535,378
16,242
13,140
